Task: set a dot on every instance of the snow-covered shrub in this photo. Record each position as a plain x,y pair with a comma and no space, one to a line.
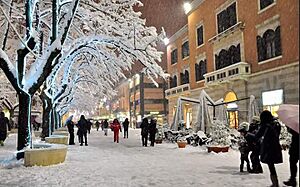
219,134
285,137
181,140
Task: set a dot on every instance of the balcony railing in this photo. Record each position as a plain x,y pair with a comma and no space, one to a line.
236,71
177,90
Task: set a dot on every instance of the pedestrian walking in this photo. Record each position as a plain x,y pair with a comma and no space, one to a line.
97,125
244,146
152,131
116,128
254,145
125,127
82,130
144,131
270,152
105,127
89,126
70,125
294,158
4,126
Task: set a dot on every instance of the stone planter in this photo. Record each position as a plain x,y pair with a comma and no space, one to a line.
217,149
62,133
181,144
57,139
45,155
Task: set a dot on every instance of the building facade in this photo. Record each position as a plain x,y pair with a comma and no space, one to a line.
233,49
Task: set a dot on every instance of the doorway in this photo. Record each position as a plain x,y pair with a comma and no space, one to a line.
232,110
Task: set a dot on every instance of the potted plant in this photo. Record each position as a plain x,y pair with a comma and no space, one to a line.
159,136
220,136
181,142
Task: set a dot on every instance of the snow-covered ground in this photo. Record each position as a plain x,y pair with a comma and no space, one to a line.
104,163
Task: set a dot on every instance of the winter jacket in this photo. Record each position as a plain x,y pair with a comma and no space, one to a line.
105,124
152,129
4,124
243,145
82,126
125,125
70,126
144,127
270,150
116,127
294,147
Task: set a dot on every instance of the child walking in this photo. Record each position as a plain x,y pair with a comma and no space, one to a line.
244,147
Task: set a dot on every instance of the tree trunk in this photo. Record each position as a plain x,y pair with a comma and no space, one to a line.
24,124
46,116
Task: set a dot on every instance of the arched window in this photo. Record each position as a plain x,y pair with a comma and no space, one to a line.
269,45
228,57
187,77
203,69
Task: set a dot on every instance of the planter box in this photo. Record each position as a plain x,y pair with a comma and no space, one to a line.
158,141
62,133
57,139
181,144
217,149
45,155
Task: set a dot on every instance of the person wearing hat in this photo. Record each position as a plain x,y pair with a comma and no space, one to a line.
243,146
254,145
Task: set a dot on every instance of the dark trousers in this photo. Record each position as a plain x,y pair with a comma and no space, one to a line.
152,139
272,169
144,140
81,138
71,139
125,133
254,157
293,166
244,158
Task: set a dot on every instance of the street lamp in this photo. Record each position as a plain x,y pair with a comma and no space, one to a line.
187,7
166,41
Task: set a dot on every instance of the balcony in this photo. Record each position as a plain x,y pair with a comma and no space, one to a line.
236,71
177,90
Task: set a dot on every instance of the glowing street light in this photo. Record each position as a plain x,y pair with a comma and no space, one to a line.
166,41
187,7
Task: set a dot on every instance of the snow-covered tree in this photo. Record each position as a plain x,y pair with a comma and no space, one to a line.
54,32
219,133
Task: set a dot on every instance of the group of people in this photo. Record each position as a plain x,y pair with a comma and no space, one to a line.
84,127
148,130
261,138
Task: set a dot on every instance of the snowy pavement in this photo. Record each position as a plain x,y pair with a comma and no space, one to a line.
104,163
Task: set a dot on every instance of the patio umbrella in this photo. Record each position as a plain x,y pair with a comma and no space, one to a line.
289,115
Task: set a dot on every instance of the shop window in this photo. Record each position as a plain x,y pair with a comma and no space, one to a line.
200,40
269,45
174,56
227,18
200,70
265,3
272,100
228,57
185,50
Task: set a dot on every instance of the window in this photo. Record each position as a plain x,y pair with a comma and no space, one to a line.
227,18
269,45
272,100
174,56
228,57
265,3
185,50
173,81
200,40
184,77
200,70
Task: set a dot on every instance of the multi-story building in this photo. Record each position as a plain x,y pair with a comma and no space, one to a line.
233,49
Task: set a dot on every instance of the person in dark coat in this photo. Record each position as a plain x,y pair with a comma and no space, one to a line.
270,152
4,125
89,126
294,158
152,131
254,145
125,127
144,131
244,146
70,126
105,127
82,130
97,125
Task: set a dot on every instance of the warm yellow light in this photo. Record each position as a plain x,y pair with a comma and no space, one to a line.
187,7
166,41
